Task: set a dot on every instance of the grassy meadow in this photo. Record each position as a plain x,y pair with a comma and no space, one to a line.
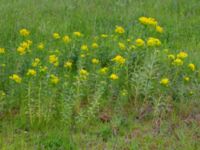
99,74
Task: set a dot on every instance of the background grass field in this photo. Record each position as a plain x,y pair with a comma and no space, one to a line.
181,22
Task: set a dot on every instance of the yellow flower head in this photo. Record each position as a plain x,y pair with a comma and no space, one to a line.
191,66
103,70
119,30
25,44
54,79
95,45
35,62
83,72
40,46
95,61
122,46
23,47
78,34
119,59
31,72
21,50
182,55
29,42
164,81
148,21
68,64
187,79
2,50
16,78
84,47
66,39
56,35
139,42
53,59
114,76
159,29
153,42
177,62
24,32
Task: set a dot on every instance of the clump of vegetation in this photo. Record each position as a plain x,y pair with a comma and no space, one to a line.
98,89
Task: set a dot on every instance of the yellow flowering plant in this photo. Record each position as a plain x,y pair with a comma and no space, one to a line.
2,50
16,78
132,64
24,32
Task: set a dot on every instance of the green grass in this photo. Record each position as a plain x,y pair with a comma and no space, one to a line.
39,115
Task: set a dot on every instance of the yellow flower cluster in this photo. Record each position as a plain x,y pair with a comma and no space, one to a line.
78,34
68,64
122,46
56,35
182,55
139,42
95,45
148,21
151,21
35,62
178,62
178,59
84,47
31,72
24,32
53,59
114,76
192,67
40,46
119,30
24,46
83,73
187,79
2,50
153,42
66,39
159,29
103,70
95,61
171,56
16,78
164,81
119,59
54,79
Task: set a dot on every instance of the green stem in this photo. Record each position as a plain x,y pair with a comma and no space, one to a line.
39,101
29,102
